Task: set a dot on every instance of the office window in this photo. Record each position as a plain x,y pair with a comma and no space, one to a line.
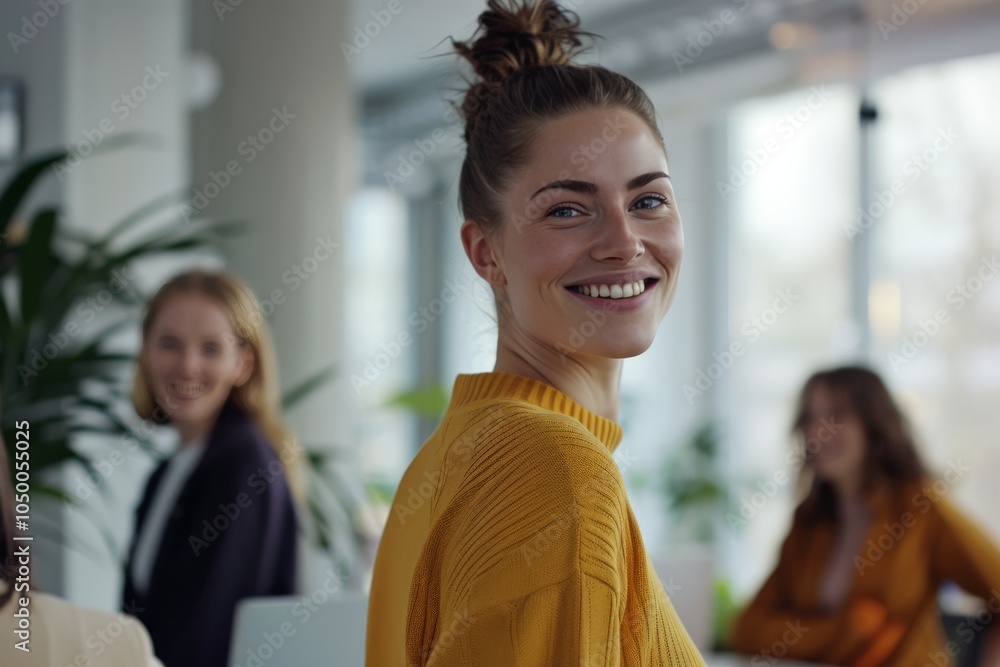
376,307
935,305
791,185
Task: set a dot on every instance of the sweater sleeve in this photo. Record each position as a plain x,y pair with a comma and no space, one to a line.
587,608
771,618
963,553
581,611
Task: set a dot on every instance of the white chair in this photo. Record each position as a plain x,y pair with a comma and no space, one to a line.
287,632
687,577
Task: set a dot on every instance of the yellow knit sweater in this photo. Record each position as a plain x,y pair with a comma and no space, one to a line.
511,542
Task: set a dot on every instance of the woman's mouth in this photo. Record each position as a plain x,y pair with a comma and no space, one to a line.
614,290
189,390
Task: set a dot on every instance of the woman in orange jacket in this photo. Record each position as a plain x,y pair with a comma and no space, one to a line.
858,575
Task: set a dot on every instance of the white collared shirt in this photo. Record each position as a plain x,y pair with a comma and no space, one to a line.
180,467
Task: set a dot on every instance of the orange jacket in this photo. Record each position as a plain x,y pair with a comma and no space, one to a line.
890,615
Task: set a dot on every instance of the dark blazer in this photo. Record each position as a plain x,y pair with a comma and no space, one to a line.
231,536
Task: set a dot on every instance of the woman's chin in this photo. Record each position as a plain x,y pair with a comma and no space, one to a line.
186,411
622,348
828,475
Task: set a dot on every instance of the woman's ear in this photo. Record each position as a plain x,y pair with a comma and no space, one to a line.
247,362
481,251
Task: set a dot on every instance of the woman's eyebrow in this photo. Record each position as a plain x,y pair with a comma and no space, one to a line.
645,179
586,187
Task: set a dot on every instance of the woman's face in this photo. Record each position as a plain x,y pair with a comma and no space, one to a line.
588,254
194,359
835,435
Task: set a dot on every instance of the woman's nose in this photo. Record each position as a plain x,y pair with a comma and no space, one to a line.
618,241
189,363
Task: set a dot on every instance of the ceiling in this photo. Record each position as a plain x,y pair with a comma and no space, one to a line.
407,73
414,41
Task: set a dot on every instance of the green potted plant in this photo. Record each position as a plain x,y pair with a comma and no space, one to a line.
696,495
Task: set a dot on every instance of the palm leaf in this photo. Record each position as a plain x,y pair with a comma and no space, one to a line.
36,263
21,183
306,387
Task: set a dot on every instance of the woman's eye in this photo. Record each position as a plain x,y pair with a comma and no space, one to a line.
650,201
564,212
212,349
168,345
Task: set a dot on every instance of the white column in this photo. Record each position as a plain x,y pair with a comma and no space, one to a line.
278,148
284,125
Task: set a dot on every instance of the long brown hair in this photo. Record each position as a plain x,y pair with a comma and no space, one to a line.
521,55
258,397
891,460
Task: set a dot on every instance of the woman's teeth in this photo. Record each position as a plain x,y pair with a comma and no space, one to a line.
622,291
188,389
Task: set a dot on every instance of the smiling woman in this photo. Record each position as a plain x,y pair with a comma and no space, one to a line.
596,237
209,531
526,550
871,543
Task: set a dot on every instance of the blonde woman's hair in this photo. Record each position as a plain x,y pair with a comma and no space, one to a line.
258,397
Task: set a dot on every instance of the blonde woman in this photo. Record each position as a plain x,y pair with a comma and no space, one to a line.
216,523
521,547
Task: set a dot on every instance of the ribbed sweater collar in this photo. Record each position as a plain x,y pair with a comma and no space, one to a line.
485,386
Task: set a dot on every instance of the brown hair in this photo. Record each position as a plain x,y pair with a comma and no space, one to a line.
522,56
258,397
891,457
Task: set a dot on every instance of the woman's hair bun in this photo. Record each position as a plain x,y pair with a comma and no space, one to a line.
515,35
524,77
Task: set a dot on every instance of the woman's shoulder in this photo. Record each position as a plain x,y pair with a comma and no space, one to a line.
916,498
553,456
239,455
65,622
236,434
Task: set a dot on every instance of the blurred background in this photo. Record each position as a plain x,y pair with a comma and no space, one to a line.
836,167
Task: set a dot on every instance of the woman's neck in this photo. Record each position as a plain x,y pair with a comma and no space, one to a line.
848,492
192,432
852,506
595,384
